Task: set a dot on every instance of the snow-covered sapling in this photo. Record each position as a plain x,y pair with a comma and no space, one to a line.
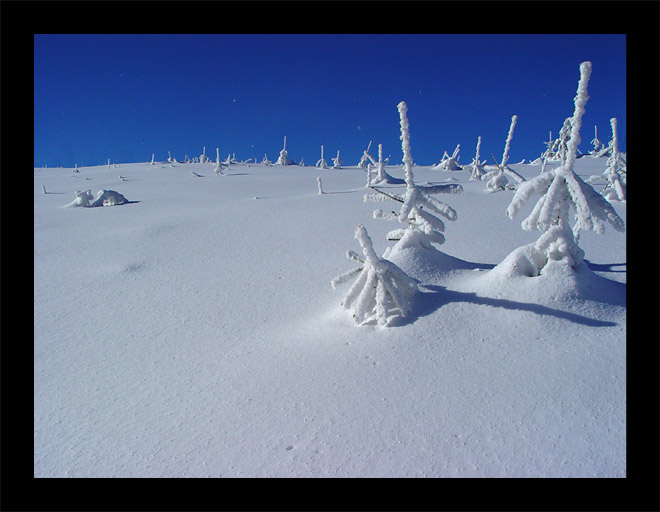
219,166
595,142
364,161
337,162
283,159
498,179
616,169
265,160
319,184
322,163
381,174
381,287
477,166
418,208
561,189
450,163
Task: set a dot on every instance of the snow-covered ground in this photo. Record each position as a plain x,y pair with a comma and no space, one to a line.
193,332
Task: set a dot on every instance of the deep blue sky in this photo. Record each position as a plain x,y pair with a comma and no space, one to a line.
125,97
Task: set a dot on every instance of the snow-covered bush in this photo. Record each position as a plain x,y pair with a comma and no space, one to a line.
449,163
321,162
265,160
497,179
561,190
418,208
83,199
107,198
476,168
203,158
616,169
381,287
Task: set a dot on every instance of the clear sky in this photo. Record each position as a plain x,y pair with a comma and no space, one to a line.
127,96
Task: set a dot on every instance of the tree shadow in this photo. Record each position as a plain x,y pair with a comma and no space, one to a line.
605,267
426,303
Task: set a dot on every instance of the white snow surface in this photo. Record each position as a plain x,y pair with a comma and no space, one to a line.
193,332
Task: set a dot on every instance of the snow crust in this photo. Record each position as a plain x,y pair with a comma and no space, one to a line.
192,332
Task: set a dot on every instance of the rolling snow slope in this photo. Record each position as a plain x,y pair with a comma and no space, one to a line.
193,332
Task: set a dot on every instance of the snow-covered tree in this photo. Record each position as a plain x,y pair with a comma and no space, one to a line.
203,158
364,161
337,162
322,163
152,159
381,287
419,207
265,160
498,178
319,184
561,190
381,174
477,166
616,169
597,144
283,159
449,163
219,166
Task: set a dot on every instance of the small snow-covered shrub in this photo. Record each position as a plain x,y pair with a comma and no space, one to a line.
597,144
107,198
449,163
83,199
381,287
364,161
203,158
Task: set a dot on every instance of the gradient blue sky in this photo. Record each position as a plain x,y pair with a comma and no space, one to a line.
125,96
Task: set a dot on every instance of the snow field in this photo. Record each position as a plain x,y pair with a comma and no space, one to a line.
194,332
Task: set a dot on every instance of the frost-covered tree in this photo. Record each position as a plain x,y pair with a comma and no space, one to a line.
561,190
219,166
450,163
152,159
337,162
381,174
419,207
322,163
203,158
498,178
597,144
319,184
283,159
616,169
364,161
381,287
477,166
265,160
